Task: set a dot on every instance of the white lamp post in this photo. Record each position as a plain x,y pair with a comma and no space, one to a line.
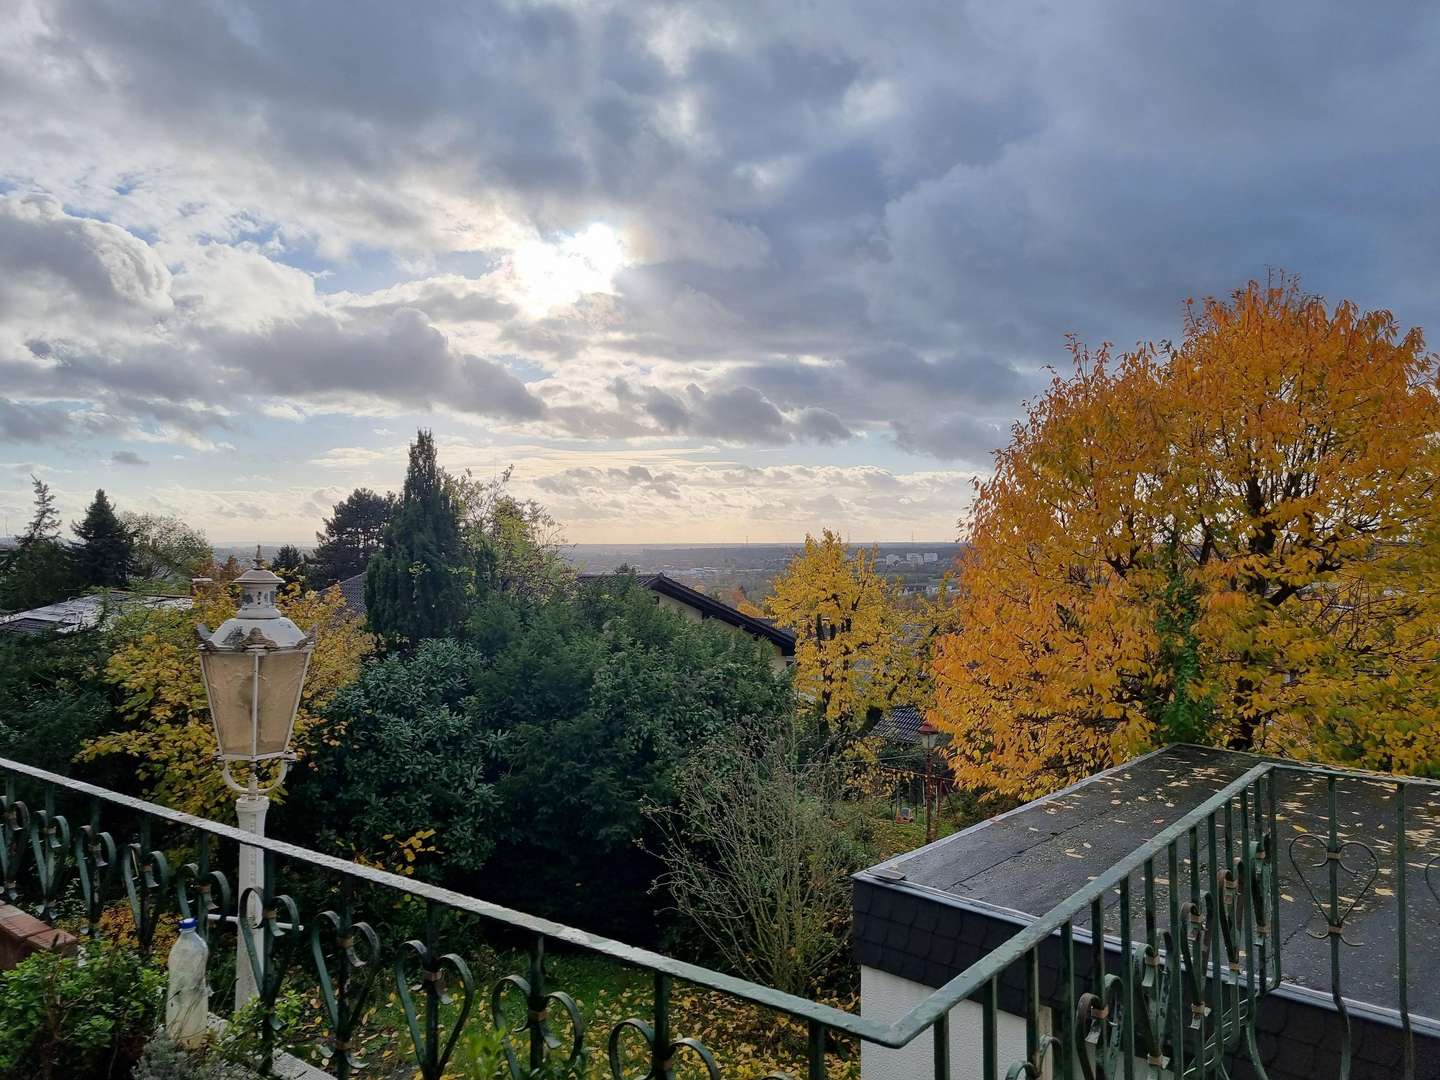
254,668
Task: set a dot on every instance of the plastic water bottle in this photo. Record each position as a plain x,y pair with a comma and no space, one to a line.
187,1002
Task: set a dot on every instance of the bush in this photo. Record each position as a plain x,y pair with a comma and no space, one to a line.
759,849
531,750
82,1017
166,1060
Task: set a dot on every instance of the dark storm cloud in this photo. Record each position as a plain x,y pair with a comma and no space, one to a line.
869,219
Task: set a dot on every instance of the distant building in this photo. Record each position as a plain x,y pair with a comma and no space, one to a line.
930,557
86,612
696,606
914,558
892,560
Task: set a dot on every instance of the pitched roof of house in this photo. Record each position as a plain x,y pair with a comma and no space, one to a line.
352,591
85,612
900,724
711,608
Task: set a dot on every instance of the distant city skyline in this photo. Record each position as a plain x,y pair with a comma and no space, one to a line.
696,270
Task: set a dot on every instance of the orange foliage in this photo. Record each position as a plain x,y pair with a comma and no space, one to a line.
1276,473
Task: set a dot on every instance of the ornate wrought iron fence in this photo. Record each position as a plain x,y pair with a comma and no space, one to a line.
1182,945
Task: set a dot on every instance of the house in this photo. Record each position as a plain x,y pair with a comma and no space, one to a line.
352,591
696,606
926,916
900,724
85,612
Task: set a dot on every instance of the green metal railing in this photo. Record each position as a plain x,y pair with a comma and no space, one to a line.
1163,959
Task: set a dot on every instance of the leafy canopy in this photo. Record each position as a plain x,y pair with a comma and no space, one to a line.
352,535
538,742
166,549
858,648
164,717
1234,539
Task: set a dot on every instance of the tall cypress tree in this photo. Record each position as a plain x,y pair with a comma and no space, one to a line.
103,555
415,586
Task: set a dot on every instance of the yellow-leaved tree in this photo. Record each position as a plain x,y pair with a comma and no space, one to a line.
1234,540
859,648
165,721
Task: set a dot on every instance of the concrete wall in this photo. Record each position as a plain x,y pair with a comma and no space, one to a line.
887,997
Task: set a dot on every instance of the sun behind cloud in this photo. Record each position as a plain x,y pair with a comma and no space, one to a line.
553,274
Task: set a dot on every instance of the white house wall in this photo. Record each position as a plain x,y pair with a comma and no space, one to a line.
887,998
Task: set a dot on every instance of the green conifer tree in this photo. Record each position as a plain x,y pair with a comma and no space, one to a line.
105,549
36,571
415,584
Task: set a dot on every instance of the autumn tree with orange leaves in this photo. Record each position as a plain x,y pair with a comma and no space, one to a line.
1232,540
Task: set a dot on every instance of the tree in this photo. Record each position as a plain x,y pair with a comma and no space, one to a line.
415,586
166,549
514,545
102,555
1234,539
539,747
36,571
854,655
288,562
52,696
759,848
351,537
164,716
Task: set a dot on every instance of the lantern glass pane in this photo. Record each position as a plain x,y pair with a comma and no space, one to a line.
230,676
281,674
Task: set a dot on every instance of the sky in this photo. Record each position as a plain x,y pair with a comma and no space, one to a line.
699,272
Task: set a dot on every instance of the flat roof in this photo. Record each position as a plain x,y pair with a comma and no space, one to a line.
1023,863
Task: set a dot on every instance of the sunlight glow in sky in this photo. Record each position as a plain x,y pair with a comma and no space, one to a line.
553,275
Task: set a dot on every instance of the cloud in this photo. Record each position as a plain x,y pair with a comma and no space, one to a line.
51,259
127,457
689,224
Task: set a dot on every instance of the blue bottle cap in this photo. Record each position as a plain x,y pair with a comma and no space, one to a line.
187,924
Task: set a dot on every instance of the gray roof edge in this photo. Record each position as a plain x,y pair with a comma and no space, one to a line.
1292,991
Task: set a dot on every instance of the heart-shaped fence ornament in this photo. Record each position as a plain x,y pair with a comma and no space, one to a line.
1334,855
1197,921
49,848
96,857
665,1055
212,894
345,997
1152,1012
267,963
1034,1070
536,1023
1432,877
1098,1023
430,1055
147,877
14,834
